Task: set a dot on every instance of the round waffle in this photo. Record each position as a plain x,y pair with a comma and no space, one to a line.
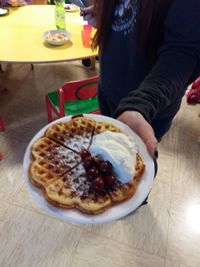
57,167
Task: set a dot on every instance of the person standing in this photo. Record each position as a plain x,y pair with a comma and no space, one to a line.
149,54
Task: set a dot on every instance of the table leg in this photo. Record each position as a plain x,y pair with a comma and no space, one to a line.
1,70
93,61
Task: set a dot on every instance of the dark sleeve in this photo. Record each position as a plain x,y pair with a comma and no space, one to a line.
177,66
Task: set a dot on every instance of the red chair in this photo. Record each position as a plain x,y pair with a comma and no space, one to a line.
74,97
2,126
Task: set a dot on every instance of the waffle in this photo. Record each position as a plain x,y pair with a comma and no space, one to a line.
62,158
58,168
50,161
74,191
122,192
76,134
42,173
102,126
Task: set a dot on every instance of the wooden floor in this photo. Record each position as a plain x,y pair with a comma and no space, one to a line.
164,233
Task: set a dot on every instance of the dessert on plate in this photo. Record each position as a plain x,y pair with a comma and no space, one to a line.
85,165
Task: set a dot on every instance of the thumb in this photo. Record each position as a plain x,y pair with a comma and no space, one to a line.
146,132
140,126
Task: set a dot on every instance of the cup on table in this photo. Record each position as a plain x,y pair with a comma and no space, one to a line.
86,35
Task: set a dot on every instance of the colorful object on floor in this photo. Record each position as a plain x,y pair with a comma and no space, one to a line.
2,126
193,95
1,157
74,97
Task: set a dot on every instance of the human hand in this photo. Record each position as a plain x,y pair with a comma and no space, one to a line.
140,126
88,15
14,3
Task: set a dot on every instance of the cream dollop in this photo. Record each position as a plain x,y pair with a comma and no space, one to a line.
118,148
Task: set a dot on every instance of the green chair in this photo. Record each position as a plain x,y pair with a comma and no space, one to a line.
74,97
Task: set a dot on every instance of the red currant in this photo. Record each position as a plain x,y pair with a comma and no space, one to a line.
105,167
98,184
84,153
88,162
109,180
92,173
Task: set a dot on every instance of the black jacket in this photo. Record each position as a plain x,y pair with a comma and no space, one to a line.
130,83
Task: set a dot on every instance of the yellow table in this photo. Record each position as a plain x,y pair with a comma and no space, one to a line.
21,38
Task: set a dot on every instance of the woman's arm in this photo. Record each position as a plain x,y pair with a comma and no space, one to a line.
177,65
14,3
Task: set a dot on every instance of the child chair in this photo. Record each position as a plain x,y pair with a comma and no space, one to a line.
74,97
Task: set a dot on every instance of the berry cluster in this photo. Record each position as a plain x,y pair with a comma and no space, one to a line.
99,172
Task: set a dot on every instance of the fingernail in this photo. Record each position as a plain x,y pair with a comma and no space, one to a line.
156,153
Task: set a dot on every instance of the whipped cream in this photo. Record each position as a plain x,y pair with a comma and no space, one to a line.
120,150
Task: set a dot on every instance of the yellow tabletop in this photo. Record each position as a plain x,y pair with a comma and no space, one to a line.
21,36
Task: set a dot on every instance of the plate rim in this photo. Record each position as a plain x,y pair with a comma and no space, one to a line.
81,218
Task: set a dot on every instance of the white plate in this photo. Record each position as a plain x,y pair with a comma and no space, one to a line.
113,213
71,8
48,34
3,11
